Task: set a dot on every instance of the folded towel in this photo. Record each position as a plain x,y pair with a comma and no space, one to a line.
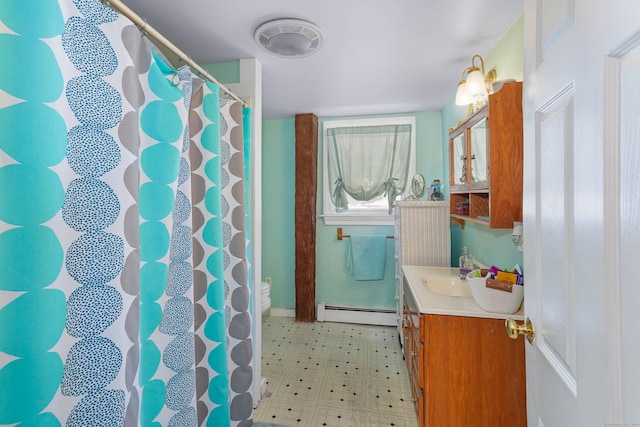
366,256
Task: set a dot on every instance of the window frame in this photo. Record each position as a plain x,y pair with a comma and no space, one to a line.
371,216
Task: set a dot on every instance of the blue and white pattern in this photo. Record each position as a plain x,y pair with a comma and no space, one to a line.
168,318
96,256
105,187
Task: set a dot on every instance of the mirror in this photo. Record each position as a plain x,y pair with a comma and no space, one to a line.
478,135
417,186
459,174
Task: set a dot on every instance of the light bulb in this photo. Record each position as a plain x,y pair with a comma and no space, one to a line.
476,84
463,97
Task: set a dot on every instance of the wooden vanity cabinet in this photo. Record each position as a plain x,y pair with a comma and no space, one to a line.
486,158
464,371
413,356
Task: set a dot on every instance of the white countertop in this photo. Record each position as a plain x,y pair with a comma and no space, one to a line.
432,303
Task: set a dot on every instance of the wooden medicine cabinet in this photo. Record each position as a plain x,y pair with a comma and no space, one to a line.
486,161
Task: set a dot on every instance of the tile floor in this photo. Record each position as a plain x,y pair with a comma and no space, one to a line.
333,374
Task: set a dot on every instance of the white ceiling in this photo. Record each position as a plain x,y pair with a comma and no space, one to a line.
378,57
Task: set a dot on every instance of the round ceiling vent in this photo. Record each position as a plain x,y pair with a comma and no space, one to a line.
289,38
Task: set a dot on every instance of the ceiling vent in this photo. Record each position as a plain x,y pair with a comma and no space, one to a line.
289,38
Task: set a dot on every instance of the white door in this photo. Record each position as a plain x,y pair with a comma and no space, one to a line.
582,211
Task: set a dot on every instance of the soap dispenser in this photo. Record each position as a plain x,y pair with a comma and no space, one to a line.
465,264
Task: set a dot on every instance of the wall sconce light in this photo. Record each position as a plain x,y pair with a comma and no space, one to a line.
475,86
517,235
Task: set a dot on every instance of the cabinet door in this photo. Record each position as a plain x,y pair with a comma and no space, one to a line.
459,159
478,140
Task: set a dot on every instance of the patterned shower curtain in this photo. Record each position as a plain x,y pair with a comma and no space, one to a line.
124,296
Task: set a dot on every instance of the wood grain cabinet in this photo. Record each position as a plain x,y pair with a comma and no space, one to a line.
486,157
464,371
413,356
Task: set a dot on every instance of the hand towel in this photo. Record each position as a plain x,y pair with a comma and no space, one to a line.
366,256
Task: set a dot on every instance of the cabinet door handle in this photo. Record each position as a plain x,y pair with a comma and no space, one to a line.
463,178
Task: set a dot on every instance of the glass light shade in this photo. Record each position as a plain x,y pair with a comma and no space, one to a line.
463,97
476,84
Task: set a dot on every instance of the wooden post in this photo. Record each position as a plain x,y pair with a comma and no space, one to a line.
305,214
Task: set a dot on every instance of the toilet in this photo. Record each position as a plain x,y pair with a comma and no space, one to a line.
265,289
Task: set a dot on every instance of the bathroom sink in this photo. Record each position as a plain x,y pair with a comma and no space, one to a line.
447,285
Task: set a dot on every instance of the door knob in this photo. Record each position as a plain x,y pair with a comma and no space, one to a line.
514,329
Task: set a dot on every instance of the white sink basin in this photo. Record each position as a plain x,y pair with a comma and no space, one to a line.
447,285
438,290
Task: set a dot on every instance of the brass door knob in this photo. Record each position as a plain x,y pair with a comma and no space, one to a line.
514,329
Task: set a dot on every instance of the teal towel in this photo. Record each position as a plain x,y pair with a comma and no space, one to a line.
366,256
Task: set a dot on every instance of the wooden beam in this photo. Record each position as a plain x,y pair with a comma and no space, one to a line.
305,215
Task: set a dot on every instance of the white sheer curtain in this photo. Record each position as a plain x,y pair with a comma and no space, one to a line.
368,161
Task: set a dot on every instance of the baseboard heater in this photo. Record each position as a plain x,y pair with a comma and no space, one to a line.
351,314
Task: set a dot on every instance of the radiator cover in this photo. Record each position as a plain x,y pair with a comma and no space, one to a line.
354,314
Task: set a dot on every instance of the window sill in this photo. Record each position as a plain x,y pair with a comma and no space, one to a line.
382,219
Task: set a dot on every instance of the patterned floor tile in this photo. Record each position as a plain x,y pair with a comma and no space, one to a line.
347,417
333,374
285,413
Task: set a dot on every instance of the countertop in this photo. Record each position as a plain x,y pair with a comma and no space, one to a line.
431,303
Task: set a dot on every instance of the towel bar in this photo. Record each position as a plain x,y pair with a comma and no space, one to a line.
346,236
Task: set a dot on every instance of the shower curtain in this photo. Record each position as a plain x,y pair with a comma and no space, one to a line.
124,291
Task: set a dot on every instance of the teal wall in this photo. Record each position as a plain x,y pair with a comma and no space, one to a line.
225,72
334,285
278,191
490,246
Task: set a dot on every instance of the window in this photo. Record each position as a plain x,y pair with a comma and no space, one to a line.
364,158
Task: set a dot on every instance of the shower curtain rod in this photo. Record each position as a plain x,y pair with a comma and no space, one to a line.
146,28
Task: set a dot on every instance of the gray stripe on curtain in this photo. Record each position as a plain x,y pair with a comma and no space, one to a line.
236,281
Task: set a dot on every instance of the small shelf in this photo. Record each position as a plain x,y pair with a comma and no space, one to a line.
478,206
465,218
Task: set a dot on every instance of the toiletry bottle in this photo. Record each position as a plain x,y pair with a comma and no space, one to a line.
465,264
